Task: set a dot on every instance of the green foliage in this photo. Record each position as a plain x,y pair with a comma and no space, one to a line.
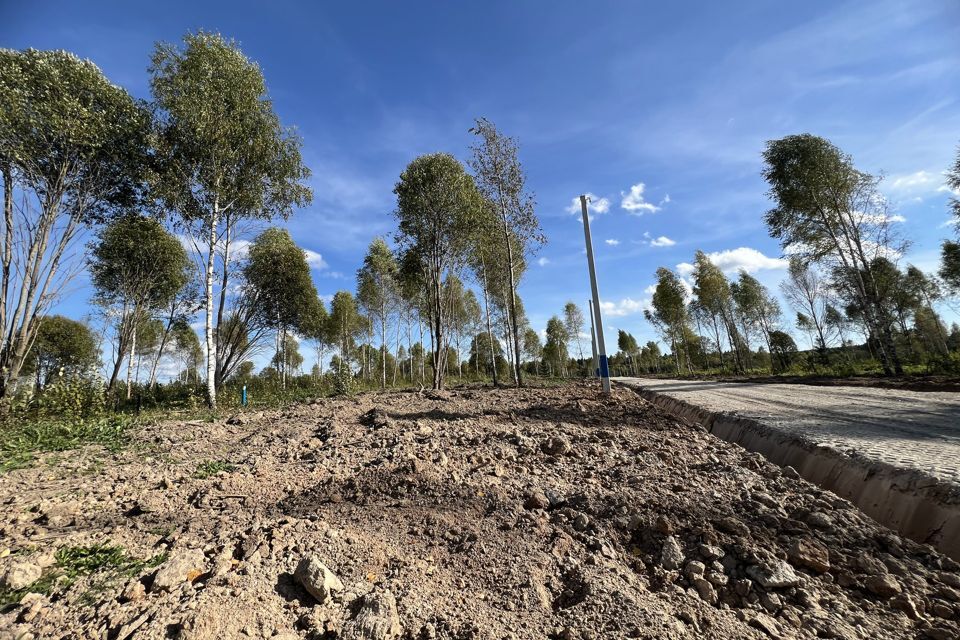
783,350
343,383
345,321
555,349
69,413
62,346
75,562
278,272
209,468
218,139
137,262
75,140
950,264
437,204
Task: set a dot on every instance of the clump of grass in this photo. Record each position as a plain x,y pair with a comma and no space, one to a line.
20,441
209,468
74,562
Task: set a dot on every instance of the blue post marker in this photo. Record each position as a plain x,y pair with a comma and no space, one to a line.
243,396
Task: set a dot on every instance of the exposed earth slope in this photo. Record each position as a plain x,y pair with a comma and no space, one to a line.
468,514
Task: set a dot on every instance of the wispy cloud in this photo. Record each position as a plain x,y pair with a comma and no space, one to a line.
662,241
612,242
543,261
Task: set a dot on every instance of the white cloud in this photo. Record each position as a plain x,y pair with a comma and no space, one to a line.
732,260
626,307
919,180
315,260
543,261
662,241
634,201
612,242
945,189
652,289
595,205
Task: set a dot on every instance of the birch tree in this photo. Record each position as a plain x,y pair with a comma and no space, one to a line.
72,152
436,204
377,291
501,179
279,275
136,267
222,153
573,321
827,211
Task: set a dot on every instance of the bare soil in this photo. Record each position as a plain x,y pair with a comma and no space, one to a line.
471,514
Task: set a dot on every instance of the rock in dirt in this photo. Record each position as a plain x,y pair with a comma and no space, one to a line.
376,418
317,579
882,585
182,566
19,575
766,624
774,574
555,446
671,555
810,554
376,619
536,499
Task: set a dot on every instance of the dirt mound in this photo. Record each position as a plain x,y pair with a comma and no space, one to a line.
471,514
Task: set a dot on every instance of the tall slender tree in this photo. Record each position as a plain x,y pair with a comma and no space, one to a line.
501,179
279,275
222,154
377,292
670,316
807,292
828,211
573,320
74,146
437,203
136,267
756,306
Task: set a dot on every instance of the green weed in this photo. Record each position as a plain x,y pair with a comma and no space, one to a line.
209,468
74,562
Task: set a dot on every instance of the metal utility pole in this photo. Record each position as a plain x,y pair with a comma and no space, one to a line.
601,347
593,341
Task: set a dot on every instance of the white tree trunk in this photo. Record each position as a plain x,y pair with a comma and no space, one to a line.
208,321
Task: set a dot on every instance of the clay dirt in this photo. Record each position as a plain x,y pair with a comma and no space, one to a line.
474,513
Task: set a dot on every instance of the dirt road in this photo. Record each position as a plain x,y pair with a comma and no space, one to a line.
906,429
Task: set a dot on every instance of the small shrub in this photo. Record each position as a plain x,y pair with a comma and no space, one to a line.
343,384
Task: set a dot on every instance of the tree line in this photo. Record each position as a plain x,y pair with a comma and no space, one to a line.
171,185
843,281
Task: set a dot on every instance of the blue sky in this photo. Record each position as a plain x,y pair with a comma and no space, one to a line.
660,110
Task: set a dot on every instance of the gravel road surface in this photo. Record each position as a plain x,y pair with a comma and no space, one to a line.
907,429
